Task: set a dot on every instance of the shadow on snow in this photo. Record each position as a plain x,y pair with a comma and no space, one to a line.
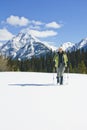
24,85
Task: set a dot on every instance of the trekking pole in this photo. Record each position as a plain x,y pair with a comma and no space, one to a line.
53,74
68,75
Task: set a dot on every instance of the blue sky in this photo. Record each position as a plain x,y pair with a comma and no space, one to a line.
55,21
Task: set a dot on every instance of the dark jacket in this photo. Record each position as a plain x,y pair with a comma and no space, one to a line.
60,58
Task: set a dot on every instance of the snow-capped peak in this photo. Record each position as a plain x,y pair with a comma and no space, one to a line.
82,43
24,46
67,46
28,34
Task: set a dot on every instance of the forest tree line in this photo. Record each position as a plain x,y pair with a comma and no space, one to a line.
77,63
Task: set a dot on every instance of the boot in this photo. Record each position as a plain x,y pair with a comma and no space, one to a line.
61,80
57,80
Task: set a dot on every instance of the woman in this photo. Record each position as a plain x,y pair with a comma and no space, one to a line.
60,60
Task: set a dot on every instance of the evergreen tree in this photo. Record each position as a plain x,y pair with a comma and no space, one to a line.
77,61
82,68
3,64
70,68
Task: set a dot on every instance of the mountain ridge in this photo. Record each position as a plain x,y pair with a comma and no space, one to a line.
25,46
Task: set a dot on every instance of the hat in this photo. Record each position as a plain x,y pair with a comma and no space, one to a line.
60,49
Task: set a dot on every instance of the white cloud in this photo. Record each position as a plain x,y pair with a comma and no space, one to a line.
22,21
53,25
36,22
43,34
15,20
5,35
37,28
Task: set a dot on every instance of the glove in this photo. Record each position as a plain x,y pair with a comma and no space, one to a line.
68,64
65,65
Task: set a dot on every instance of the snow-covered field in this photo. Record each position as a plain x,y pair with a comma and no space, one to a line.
32,101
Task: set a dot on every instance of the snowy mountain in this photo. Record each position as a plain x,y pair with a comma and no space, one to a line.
1,44
24,46
82,44
68,46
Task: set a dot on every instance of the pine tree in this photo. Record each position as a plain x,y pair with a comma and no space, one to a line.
70,68
82,68
3,64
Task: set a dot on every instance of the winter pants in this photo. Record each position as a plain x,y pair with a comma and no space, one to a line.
60,70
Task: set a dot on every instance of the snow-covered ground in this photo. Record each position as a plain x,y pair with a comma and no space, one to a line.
32,101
